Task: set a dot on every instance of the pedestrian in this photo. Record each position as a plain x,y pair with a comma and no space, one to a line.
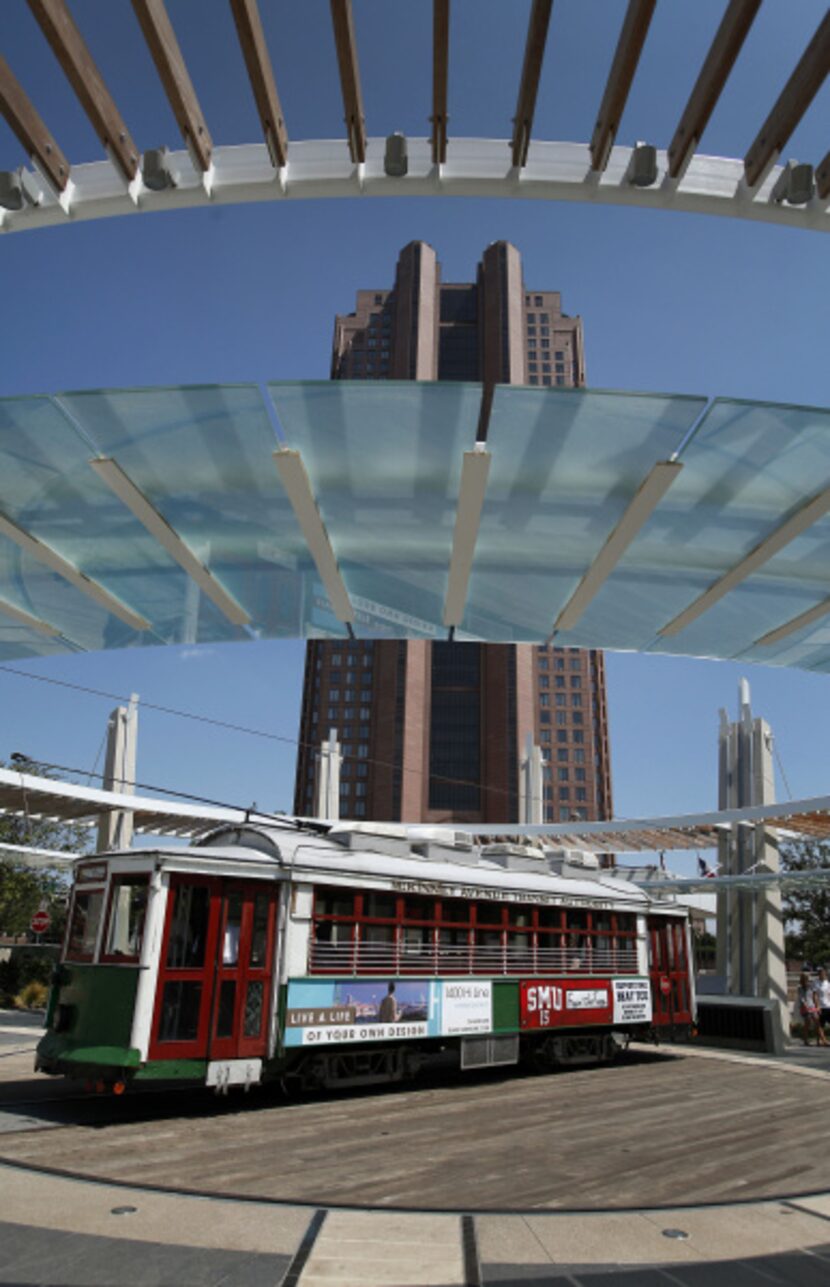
809,1010
823,990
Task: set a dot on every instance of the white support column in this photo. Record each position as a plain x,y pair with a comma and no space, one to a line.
329,759
750,924
531,784
115,829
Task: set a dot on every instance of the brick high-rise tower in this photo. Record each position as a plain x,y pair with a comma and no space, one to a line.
437,731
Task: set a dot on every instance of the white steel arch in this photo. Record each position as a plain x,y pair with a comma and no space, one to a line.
321,168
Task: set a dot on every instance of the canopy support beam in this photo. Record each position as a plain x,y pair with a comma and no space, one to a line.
26,619
474,474
175,78
261,75
620,78
797,623
716,70
792,527
295,480
648,496
34,137
78,65
440,74
125,489
790,106
537,34
344,39
57,563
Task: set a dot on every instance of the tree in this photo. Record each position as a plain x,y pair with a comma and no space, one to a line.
807,911
24,888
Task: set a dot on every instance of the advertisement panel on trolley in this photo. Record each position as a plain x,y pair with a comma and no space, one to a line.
567,1003
322,1012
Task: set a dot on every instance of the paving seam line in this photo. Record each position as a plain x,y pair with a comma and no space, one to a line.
795,1206
469,1248
301,1255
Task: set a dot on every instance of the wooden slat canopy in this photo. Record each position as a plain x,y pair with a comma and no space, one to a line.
598,170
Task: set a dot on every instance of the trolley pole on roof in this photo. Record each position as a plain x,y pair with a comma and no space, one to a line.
115,828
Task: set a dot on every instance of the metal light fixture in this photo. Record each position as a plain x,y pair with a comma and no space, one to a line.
18,188
795,184
157,172
396,159
642,168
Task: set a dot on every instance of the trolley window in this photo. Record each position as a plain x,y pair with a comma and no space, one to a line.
83,927
127,910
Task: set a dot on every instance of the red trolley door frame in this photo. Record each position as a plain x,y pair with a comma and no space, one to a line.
216,970
668,964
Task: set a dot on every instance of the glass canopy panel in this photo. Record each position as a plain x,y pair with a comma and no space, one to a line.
203,457
566,465
384,460
748,468
48,488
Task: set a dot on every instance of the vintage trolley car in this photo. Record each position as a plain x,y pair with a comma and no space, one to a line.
351,954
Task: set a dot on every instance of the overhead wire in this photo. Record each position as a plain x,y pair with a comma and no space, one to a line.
231,726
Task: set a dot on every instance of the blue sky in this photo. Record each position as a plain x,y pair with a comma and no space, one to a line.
669,302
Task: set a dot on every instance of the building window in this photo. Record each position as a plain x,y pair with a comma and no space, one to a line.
531,330
365,712
531,317
560,368
561,717
538,301
546,379
578,735
559,355
545,344
544,681
560,380
579,774
378,299
362,770
543,663
360,788
336,659
559,681
360,809
546,366
562,775
576,664
544,717
581,793
560,663
579,757
576,681
564,793
577,719
560,699
545,736
562,735
544,317
533,366
562,756
544,330
363,750
576,699
544,699
534,379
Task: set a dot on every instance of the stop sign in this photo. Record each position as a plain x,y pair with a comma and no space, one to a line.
665,986
41,921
